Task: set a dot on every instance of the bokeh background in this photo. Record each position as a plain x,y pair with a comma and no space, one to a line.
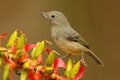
97,20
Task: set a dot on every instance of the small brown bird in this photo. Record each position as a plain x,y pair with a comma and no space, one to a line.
66,38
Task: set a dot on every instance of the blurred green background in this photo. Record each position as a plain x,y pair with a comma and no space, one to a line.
97,20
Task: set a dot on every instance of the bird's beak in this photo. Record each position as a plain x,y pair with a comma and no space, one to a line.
44,14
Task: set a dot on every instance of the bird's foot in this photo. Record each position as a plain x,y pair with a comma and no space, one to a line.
83,63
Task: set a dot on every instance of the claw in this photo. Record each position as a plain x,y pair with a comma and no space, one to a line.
83,63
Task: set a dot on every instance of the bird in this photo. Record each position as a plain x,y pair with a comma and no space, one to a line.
67,38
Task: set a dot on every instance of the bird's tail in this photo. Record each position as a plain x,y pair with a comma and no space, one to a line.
96,59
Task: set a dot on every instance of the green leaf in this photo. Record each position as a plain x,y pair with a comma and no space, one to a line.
23,74
50,59
47,70
38,67
21,42
33,53
26,65
12,39
19,53
1,49
1,60
6,72
75,69
68,68
37,50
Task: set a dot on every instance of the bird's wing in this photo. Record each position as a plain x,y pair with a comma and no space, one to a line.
75,37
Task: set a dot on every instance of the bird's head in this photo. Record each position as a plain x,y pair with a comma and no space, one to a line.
55,17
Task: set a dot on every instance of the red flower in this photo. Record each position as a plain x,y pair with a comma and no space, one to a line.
28,47
38,76
79,74
39,60
31,75
47,49
12,65
23,58
58,63
3,35
13,48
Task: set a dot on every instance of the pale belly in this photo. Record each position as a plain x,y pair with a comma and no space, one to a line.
69,47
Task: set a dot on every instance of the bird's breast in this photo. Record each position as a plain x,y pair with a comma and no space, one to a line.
73,48
65,45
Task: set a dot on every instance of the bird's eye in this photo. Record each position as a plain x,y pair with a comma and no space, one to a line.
52,16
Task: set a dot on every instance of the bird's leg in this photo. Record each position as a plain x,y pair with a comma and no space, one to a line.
82,61
48,42
67,55
56,52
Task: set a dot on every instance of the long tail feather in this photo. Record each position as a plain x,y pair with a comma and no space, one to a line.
96,59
